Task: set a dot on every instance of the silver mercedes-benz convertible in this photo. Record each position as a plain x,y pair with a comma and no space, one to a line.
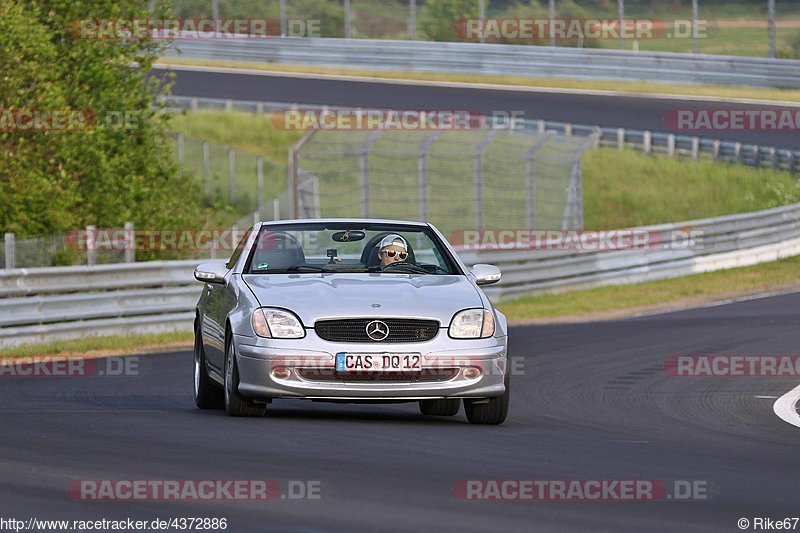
349,310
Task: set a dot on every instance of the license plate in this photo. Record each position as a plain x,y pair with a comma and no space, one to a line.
378,362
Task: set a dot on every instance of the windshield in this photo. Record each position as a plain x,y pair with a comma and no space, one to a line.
349,248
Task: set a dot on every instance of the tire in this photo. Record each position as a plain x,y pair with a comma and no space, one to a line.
235,403
439,407
207,395
492,412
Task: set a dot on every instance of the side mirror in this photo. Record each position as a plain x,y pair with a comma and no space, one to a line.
211,272
485,274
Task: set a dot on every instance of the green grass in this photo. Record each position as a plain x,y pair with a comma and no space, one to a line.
717,40
602,299
244,131
125,344
627,189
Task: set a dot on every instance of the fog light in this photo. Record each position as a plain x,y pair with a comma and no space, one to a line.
471,372
281,372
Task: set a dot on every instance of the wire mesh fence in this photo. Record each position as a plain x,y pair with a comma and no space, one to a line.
244,180
472,179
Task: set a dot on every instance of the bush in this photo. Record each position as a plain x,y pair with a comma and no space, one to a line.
104,174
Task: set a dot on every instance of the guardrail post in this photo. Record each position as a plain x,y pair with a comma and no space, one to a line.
91,245
621,138
282,8
756,156
231,174
773,157
671,145
648,142
10,251
568,129
789,161
412,20
695,147
260,179
715,153
541,126
193,104
348,24
477,175
206,168
597,133
771,27
228,105
737,153
180,150
130,243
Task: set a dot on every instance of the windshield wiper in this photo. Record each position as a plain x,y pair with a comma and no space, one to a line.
308,268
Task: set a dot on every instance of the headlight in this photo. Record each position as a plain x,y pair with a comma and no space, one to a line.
277,324
472,324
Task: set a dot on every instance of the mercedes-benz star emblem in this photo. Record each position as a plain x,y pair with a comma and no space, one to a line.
377,330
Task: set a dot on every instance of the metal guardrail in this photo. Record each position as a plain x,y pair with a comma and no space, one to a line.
720,242
646,141
69,302
502,59
43,304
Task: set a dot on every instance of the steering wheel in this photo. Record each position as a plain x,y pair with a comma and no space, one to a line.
406,265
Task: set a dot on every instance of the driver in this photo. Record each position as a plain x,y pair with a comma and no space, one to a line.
393,249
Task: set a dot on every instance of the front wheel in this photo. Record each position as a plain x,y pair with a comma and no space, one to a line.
235,403
488,410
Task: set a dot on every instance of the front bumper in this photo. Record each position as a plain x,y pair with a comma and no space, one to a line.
311,362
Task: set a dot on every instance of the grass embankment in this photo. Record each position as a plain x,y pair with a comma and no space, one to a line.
103,346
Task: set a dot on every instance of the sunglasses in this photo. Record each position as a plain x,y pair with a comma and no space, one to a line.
392,253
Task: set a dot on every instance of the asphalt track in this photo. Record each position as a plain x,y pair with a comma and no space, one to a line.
610,111
591,401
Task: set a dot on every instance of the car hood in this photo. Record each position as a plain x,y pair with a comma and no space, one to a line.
316,296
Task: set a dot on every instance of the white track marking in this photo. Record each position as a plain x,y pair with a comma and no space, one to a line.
785,407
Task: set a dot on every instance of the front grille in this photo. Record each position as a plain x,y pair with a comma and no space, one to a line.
426,375
355,329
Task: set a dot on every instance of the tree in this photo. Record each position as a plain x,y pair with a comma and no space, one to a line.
440,18
115,168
